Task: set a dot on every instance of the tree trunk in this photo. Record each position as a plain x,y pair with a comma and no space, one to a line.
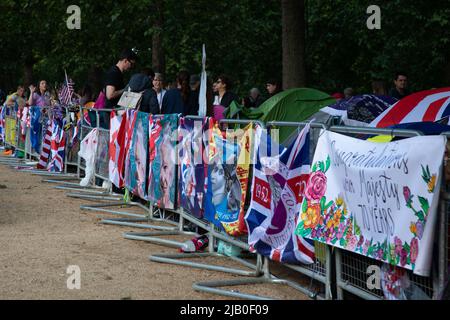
28,72
158,55
95,80
293,25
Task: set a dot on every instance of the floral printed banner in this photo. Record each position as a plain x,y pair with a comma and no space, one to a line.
378,200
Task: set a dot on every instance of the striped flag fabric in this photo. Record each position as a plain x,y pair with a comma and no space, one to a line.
117,150
279,181
429,105
57,146
46,148
66,91
2,124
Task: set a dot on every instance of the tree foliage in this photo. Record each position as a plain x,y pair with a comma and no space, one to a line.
243,39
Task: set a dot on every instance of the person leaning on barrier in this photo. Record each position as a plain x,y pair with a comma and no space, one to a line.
114,82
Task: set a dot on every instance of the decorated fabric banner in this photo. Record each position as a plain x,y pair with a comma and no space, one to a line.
375,199
2,123
129,130
162,157
279,181
117,150
35,128
102,154
88,149
228,170
57,147
193,167
10,131
136,180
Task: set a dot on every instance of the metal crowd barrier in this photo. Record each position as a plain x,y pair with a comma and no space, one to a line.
351,268
320,270
128,219
213,235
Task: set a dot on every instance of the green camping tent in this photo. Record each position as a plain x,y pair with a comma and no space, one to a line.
294,105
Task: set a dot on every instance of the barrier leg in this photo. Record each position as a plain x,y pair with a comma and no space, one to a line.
267,278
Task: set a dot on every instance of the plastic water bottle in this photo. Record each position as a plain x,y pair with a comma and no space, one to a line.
188,246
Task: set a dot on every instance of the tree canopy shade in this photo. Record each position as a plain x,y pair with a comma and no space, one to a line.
243,39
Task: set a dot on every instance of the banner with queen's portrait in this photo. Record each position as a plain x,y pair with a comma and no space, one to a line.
375,199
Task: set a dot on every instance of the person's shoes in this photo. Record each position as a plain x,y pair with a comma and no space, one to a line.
8,152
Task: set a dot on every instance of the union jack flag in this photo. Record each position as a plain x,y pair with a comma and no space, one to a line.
58,145
277,194
430,106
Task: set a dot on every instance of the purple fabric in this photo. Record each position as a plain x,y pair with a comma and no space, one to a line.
41,101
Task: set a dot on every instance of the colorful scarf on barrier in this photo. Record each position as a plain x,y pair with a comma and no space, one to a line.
88,149
117,149
2,124
136,181
58,145
35,128
162,174
46,148
193,167
129,129
227,180
279,182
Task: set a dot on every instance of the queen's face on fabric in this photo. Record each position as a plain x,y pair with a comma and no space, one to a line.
218,183
166,174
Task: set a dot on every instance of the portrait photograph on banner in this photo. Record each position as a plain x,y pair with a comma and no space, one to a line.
193,171
162,160
228,172
375,199
136,181
279,179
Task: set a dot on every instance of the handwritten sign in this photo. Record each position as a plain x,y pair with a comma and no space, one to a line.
376,199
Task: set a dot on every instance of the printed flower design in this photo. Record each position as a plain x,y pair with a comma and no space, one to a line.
352,242
331,222
311,217
432,184
317,186
408,196
414,250
403,257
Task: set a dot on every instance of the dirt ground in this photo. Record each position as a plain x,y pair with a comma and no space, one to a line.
42,232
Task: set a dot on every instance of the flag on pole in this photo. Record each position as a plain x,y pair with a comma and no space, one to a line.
203,84
66,92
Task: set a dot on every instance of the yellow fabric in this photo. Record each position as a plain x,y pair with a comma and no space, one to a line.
89,104
381,139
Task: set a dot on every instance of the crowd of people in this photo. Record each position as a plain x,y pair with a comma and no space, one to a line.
181,96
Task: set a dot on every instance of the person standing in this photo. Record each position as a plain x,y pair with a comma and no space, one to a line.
401,86
158,87
39,97
114,82
254,99
193,103
273,87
